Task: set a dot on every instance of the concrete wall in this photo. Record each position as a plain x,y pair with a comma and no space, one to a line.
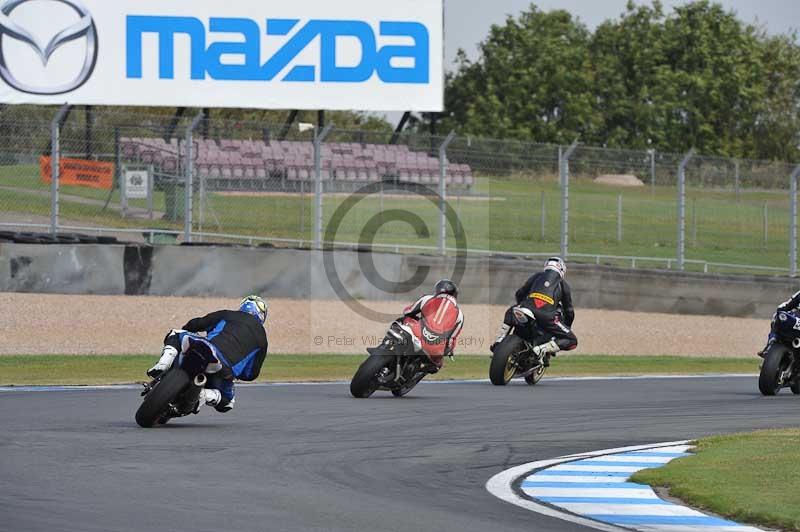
232,272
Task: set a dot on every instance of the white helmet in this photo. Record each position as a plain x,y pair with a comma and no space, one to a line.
557,265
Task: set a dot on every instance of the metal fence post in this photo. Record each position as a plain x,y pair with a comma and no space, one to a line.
544,216
564,177
319,138
793,231
652,171
443,192
736,179
619,218
55,164
189,182
682,209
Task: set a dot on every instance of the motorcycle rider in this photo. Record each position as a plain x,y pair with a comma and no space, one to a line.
236,339
443,317
549,297
791,305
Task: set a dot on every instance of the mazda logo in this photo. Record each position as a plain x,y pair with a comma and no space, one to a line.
83,28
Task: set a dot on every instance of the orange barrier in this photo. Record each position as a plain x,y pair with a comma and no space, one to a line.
79,172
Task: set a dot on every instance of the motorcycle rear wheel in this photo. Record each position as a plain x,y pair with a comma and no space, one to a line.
156,402
503,368
769,378
365,380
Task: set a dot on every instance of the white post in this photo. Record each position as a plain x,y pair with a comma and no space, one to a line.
443,192
564,173
682,209
793,229
188,193
55,164
544,216
319,137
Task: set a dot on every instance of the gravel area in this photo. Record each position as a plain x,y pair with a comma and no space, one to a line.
68,324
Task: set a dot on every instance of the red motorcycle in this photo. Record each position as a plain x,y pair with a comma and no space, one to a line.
401,359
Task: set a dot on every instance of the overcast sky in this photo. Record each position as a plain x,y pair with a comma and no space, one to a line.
467,22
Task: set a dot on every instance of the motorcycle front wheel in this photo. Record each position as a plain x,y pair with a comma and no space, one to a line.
769,381
536,376
407,387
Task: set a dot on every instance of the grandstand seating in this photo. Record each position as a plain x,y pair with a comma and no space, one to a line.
231,164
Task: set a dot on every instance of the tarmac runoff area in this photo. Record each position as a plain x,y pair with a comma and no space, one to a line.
310,457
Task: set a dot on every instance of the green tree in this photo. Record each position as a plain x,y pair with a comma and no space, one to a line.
531,81
697,77
711,82
776,131
625,58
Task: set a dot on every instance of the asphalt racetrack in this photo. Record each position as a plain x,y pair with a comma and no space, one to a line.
311,458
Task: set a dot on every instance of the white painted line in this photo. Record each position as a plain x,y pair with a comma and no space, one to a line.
577,466
628,509
71,388
697,528
590,492
655,460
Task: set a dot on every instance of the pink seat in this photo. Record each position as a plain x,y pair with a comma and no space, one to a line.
361,168
170,164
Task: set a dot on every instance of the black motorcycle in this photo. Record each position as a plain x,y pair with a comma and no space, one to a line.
395,365
781,366
176,392
514,356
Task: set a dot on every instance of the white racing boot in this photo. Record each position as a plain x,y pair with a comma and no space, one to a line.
501,335
214,398
210,397
168,355
546,350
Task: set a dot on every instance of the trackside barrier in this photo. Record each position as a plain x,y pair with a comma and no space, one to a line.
202,179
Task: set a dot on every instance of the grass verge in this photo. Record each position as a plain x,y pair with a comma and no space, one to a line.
752,478
79,369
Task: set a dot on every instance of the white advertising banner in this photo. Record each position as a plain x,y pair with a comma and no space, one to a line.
372,55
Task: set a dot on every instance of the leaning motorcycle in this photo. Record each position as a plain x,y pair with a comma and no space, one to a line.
176,392
781,366
514,356
396,364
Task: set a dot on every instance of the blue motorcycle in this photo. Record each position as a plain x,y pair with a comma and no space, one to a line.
781,366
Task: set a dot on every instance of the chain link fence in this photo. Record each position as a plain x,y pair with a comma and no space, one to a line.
183,178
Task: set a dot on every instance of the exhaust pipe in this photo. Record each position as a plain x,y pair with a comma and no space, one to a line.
200,380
